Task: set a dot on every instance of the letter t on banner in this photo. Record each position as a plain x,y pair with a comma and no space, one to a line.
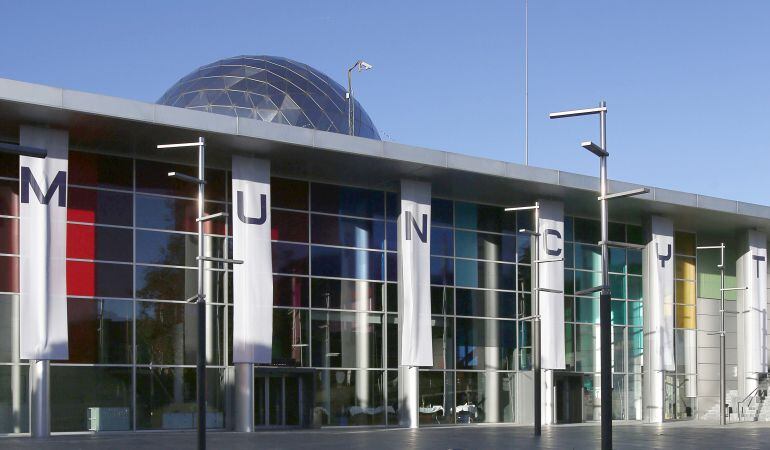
414,275
253,280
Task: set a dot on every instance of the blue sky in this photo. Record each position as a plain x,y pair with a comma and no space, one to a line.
687,82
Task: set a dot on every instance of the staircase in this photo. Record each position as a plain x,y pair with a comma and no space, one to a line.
732,400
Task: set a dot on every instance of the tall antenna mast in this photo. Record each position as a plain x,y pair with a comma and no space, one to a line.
526,82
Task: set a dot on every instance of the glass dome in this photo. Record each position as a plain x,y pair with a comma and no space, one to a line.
272,89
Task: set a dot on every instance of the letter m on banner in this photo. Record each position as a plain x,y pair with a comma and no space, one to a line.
59,183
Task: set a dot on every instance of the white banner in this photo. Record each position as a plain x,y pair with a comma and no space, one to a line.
253,280
43,246
414,274
752,307
659,294
551,276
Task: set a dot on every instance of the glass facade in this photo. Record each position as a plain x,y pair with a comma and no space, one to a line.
271,89
131,252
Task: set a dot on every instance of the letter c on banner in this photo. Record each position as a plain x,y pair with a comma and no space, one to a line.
557,235
252,220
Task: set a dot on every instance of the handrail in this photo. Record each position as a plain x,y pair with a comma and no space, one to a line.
740,403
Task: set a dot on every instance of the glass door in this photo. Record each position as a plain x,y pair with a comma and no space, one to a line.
277,400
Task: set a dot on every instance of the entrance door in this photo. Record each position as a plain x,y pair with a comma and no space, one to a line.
278,400
569,397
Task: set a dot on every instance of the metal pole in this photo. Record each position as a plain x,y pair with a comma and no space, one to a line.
526,84
536,325
722,387
350,102
201,366
605,318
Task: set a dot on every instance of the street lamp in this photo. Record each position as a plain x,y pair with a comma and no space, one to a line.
536,289
605,318
721,333
200,298
361,65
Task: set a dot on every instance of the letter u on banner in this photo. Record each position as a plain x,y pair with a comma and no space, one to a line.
414,275
253,280
43,246
551,242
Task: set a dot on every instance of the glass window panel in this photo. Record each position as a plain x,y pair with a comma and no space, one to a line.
475,393
442,271
344,263
586,280
91,169
346,294
290,258
635,234
484,218
618,310
618,397
616,232
167,333
165,398
635,397
9,198
91,279
13,381
618,286
493,247
569,255
291,341
348,201
441,241
635,288
569,309
685,317
441,212
289,226
100,243
569,282
525,358
174,249
635,313
525,278
685,292
290,291
485,344
391,236
102,207
618,350
586,310
76,390
587,230
569,346
291,194
391,260
523,249
341,400
9,274
635,349
393,207
8,319
100,331
588,257
684,243
488,275
486,303
685,268
436,397
443,341
568,228
166,283
587,348
347,232
392,343
524,306
617,260
174,214
592,397
635,262
152,177
9,236
392,291
9,165
346,339
442,300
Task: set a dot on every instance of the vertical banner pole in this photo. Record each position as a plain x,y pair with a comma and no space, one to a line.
722,387
605,318
536,352
201,366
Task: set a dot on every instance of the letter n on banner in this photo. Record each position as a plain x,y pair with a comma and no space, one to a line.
414,275
551,276
253,280
43,246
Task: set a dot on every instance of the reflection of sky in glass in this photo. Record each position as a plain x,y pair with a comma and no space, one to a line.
271,89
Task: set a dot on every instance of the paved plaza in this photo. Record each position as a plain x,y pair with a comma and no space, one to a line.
632,436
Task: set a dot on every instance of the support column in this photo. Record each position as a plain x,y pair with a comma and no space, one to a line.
244,397
408,395
39,398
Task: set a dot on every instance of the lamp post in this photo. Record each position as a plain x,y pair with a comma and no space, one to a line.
721,333
361,65
605,316
536,289
200,298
